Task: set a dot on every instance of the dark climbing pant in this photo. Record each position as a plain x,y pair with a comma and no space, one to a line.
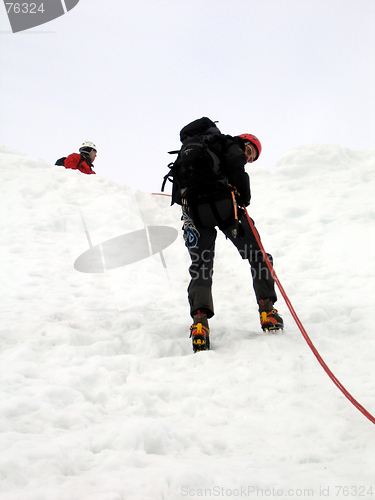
202,256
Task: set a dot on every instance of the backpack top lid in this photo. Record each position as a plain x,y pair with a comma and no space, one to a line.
201,126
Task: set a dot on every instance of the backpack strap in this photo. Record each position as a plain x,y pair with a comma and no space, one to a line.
81,160
176,192
167,177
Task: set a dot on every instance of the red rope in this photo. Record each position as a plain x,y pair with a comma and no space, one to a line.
302,329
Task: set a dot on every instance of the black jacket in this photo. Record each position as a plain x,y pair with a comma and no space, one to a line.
233,161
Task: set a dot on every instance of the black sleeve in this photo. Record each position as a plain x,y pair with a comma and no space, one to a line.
235,161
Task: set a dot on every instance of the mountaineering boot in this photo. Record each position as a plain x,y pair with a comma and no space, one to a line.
200,332
269,317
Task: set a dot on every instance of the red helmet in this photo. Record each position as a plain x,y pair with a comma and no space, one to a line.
254,140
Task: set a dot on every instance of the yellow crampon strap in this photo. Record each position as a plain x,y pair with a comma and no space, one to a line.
199,329
264,316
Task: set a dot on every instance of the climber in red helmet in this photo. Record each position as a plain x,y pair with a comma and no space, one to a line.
211,185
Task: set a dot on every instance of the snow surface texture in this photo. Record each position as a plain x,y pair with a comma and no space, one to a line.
101,395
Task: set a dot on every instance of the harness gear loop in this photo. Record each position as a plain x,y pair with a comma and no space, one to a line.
234,192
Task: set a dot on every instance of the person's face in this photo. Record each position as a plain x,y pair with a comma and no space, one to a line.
250,152
93,155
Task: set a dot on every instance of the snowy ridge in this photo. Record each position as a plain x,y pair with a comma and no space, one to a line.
101,396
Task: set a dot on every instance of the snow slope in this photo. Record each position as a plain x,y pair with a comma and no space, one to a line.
101,395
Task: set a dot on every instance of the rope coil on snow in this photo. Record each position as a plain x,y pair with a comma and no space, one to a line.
302,329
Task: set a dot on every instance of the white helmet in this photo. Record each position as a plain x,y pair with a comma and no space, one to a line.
87,145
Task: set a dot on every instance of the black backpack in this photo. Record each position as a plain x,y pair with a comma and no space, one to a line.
61,161
197,169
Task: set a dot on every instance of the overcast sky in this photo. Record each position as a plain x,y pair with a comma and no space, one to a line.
129,74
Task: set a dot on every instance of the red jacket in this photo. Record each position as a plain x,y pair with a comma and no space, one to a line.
74,159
